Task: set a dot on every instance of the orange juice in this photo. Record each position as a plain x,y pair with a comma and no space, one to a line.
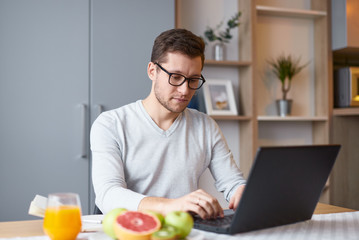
62,222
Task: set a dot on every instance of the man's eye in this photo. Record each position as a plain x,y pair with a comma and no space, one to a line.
177,77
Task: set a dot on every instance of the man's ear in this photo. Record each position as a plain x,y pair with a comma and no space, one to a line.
152,71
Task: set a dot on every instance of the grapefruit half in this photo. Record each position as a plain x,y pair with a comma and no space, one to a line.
133,225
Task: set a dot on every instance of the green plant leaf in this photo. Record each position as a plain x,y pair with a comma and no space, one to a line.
214,34
285,68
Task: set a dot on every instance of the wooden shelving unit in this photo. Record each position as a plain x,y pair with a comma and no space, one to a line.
288,12
344,182
346,111
312,108
345,121
291,119
283,28
231,118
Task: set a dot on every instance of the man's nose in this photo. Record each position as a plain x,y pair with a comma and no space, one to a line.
184,89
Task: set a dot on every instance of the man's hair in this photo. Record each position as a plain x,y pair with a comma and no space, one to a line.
177,40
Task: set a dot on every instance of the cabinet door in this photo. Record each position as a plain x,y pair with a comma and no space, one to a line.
44,74
122,37
123,33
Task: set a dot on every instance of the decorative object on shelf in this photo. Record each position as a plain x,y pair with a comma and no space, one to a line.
285,68
346,87
221,37
219,51
284,107
219,97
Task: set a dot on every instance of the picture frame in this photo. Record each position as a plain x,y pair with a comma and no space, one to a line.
219,97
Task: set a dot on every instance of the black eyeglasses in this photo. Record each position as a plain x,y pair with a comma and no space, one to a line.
176,79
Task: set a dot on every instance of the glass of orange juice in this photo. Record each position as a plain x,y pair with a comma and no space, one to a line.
62,219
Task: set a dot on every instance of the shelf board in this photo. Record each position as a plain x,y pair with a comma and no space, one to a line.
290,119
289,12
230,117
346,111
227,63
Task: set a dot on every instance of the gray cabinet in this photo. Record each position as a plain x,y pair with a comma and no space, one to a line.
345,25
44,76
60,62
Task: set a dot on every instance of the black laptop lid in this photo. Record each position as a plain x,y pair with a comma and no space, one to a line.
284,186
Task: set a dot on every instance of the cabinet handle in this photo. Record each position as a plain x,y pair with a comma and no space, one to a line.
84,139
99,108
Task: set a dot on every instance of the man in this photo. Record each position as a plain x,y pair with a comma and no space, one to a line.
150,154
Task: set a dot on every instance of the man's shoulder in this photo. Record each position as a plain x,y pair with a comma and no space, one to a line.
120,113
116,121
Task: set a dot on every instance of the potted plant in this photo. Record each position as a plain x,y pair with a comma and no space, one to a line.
285,68
221,37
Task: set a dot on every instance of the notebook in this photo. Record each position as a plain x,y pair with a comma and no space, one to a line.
283,187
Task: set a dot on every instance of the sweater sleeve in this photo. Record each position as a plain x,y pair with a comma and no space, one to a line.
107,168
225,171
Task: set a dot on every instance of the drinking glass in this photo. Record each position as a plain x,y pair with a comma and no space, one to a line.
62,219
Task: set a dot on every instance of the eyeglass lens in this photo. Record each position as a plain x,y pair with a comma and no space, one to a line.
177,80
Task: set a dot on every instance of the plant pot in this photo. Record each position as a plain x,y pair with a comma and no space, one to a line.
219,51
284,107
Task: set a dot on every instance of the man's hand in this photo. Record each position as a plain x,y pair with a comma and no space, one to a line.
234,201
198,202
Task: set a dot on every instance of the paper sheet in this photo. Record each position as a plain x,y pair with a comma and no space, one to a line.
92,223
334,226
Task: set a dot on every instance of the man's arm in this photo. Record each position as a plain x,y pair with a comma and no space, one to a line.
198,202
108,174
224,170
233,203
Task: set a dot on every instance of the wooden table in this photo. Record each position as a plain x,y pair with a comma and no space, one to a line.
34,227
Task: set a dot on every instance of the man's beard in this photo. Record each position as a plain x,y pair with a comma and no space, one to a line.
166,104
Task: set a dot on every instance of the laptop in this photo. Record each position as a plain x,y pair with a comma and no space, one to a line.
283,187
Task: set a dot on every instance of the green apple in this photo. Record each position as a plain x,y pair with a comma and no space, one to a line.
183,221
109,220
160,217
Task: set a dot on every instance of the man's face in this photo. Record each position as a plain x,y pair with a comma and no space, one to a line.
176,98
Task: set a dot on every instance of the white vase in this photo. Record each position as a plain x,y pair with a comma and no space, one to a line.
219,51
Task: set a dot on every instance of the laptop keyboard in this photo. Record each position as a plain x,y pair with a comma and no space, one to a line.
226,220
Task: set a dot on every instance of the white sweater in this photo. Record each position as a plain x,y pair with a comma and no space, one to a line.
132,157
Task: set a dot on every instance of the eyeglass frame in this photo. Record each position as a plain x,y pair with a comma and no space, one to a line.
185,78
